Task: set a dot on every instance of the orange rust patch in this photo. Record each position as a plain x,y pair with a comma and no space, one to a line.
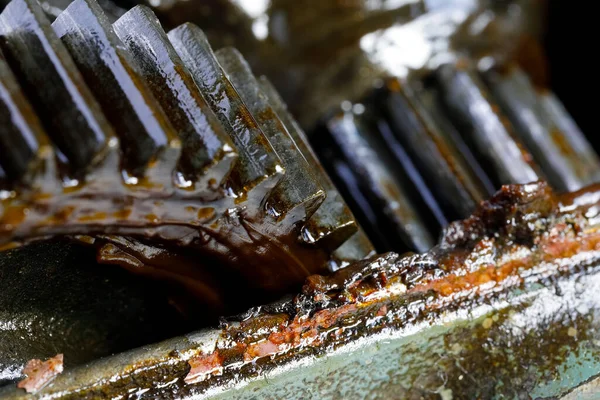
13,215
561,142
206,213
204,365
98,216
552,248
262,349
122,214
151,218
453,283
323,319
556,247
40,373
301,331
62,215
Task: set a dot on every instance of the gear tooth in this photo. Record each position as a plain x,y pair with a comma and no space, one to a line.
333,223
110,72
178,116
208,154
366,175
21,136
299,194
485,129
27,155
358,247
58,94
563,152
259,168
412,127
429,98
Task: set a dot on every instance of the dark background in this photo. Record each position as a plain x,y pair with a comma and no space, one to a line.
571,43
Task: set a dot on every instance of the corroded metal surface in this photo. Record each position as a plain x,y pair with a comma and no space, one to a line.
242,214
22,140
518,271
333,219
39,373
459,189
298,194
568,159
55,298
477,115
349,138
207,154
257,170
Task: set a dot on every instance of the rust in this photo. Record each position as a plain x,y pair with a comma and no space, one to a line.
523,235
201,366
559,139
522,231
40,373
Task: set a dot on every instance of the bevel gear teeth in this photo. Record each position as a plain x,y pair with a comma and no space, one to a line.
150,145
333,222
26,153
298,195
545,127
53,84
413,127
474,110
208,153
258,169
147,140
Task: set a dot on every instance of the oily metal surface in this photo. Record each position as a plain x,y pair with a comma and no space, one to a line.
114,77
29,145
504,306
189,371
520,346
208,152
55,298
550,133
333,219
459,190
53,84
349,138
477,115
298,195
198,175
